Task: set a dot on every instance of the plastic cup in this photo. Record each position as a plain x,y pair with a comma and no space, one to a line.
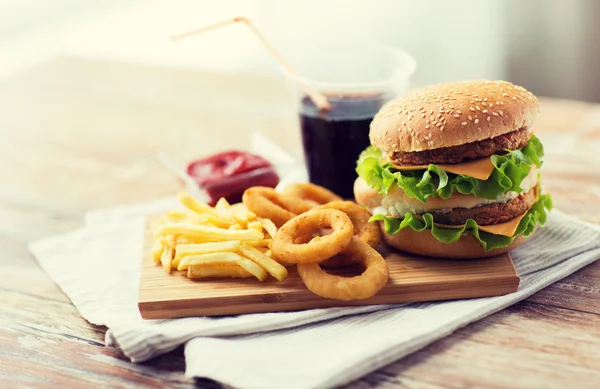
357,80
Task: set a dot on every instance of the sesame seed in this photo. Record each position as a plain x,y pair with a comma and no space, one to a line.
442,128
505,94
484,111
484,103
404,124
501,113
458,111
514,98
438,124
427,126
491,105
432,118
477,108
423,115
494,113
472,109
470,118
489,118
456,116
464,123
439,115
486,99
476,121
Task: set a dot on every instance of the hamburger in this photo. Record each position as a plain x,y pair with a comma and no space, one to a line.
453,170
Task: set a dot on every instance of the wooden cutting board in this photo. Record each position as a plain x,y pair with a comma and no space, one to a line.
412,279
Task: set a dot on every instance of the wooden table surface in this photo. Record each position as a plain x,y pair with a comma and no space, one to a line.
77,135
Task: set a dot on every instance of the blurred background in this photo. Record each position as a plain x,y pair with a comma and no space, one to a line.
548,46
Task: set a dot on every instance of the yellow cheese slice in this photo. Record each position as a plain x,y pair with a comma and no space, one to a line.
505,229
481,168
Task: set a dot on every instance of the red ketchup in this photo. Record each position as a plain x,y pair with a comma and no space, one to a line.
230,173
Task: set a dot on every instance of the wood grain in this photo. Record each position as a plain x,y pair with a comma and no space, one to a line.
412,278
79,134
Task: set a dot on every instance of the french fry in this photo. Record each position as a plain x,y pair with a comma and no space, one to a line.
222,207
207,241
269,226
157,250
261,242
179,215
184,251
180,239
210,234
211,220
234,271
225,258
170,241
166,258
271,266
254,269
241,214
255,225
194,205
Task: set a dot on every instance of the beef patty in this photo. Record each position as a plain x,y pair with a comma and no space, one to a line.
489,213
456,154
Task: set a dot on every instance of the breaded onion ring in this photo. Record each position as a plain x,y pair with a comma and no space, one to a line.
366,285
319,248
269,204
311,194
370,233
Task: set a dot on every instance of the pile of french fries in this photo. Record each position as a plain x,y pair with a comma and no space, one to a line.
226,240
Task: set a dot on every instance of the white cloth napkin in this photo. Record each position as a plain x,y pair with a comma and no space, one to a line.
97,266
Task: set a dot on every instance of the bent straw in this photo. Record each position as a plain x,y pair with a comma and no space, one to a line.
318,98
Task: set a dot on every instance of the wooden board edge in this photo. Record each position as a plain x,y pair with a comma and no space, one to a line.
194,307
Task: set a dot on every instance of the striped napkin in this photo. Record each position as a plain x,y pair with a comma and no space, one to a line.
97,266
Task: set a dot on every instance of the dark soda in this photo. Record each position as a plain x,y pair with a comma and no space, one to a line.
333,140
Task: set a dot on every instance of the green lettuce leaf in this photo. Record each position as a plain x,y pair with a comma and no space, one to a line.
509,171
537,214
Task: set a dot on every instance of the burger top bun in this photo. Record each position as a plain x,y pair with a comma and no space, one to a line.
452,114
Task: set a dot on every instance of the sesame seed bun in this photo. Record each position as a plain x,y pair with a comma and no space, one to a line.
423,243
452,114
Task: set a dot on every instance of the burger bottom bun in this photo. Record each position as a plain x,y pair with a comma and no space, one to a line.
423,243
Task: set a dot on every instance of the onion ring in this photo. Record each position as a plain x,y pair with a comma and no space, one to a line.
370,233
311,193
366,285
269,204
319,248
